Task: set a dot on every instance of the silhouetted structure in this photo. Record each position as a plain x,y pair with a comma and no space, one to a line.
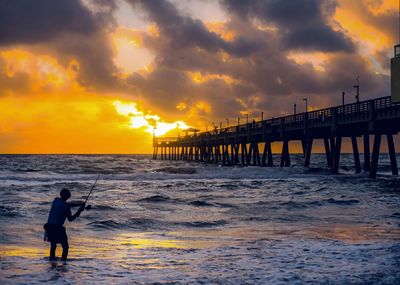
241,144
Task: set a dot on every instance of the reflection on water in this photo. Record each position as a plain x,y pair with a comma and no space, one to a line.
158,222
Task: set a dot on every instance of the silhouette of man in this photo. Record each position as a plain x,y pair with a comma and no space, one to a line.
54,230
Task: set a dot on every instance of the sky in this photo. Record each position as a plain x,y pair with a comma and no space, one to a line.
101,76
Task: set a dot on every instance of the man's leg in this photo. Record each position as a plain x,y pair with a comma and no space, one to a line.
53,246
65,248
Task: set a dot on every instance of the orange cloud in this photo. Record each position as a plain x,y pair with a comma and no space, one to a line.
56,115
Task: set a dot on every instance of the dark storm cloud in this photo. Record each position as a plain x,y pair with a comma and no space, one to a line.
66,29
302,23
264,80
183,31
27,21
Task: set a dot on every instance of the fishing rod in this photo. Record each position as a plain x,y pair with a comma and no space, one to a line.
90,192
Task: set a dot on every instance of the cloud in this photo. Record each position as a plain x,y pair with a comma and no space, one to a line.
303,24
66,29
184,32
27,21
268,79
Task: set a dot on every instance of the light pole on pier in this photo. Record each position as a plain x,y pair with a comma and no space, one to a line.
227,122
262,116
247,118
220,125
294,108
357,87
306,100
238,121
343,93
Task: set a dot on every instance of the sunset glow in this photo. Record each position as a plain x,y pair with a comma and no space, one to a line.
149,123
191,65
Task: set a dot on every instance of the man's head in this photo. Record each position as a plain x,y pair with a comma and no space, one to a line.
65,194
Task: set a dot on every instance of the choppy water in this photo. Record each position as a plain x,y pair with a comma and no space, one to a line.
178,222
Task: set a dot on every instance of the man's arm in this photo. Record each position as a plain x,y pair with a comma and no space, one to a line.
76,215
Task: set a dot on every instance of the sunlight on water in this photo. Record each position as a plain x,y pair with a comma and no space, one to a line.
21,251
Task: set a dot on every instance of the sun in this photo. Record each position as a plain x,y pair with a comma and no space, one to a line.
150,123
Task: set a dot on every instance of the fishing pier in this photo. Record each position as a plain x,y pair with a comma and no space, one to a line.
250,143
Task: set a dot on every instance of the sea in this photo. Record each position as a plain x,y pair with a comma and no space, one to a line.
177,222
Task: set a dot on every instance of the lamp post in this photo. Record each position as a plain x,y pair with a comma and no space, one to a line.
227,122
357,87
294,108
262,116
238,121
247,118
306,100
220,125
343,93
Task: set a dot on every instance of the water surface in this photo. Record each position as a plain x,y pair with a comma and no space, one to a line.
178,222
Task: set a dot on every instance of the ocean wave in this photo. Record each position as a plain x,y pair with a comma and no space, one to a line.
342,202
9,211
176,170
203,224
199,203
293,205
103,208
155,199
106,224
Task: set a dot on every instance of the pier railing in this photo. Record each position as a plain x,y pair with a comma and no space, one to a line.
344,114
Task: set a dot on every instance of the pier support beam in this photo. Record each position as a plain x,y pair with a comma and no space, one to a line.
392,154
367,158
356,154
328,152
375,155
256,154
237,153
249,154
267,155
336,154
285,157
243,153
308,152
304,147
270,160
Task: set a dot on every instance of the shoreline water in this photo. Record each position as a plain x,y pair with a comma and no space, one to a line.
180,223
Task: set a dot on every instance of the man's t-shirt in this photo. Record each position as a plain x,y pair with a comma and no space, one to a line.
59,211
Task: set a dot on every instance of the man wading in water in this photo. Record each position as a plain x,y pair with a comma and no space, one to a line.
54,229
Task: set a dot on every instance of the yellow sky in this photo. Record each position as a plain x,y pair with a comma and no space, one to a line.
45,109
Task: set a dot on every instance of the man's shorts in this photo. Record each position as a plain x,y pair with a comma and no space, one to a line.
55,233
